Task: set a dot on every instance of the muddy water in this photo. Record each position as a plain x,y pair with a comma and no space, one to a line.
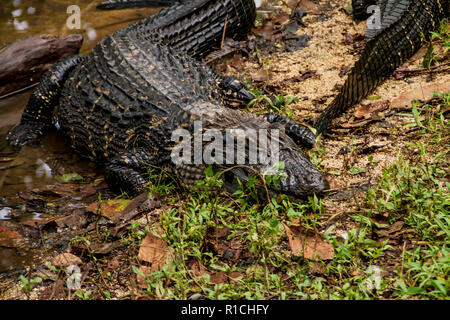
37,166
21,18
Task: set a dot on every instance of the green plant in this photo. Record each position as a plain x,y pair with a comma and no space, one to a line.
28,284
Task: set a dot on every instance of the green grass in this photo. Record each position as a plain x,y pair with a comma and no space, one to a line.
414,191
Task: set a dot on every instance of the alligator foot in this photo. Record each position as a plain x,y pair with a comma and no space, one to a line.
233,90
121,177
26,132
299,134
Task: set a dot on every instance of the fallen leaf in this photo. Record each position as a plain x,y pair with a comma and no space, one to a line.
144,271
260,75
139,204
199,269
334,183
64,190
308,244
351,38
108,208
154,250
9,237
305,5
69,177
422,93
218,277
366,110
215,232
395,227
355,124
400,73
66,259
104,248
237,62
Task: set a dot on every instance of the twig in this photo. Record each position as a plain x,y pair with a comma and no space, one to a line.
224,31
434,69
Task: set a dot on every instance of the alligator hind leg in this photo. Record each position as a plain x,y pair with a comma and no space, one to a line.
37,116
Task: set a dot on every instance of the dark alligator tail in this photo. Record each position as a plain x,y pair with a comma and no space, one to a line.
398,41
197,27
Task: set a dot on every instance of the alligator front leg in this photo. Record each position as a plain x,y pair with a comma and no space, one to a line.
121,174
37,116
233,91
124,172
299,134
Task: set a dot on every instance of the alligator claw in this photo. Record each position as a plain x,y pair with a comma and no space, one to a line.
233,89
298,133
24,134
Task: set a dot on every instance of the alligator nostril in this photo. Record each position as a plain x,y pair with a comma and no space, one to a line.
309,178
325,183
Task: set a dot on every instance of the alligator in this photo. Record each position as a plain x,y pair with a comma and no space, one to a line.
121,104
404,26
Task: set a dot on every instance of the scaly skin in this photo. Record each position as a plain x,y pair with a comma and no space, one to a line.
196,27
387,50
121,103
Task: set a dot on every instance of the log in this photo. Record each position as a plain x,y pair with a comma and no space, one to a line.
22,62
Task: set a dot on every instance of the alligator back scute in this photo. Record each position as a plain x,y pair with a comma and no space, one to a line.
141,89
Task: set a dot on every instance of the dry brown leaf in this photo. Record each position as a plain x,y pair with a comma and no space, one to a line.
355,124
65,190
140,279
397,226
66,259
308,244
367,110
237,62
155,251
422,93
305,5
260,75
9,237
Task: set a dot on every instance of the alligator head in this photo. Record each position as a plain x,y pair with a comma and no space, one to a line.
241,145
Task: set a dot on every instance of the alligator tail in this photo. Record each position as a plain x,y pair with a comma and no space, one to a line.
196,27
385,52
133,4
